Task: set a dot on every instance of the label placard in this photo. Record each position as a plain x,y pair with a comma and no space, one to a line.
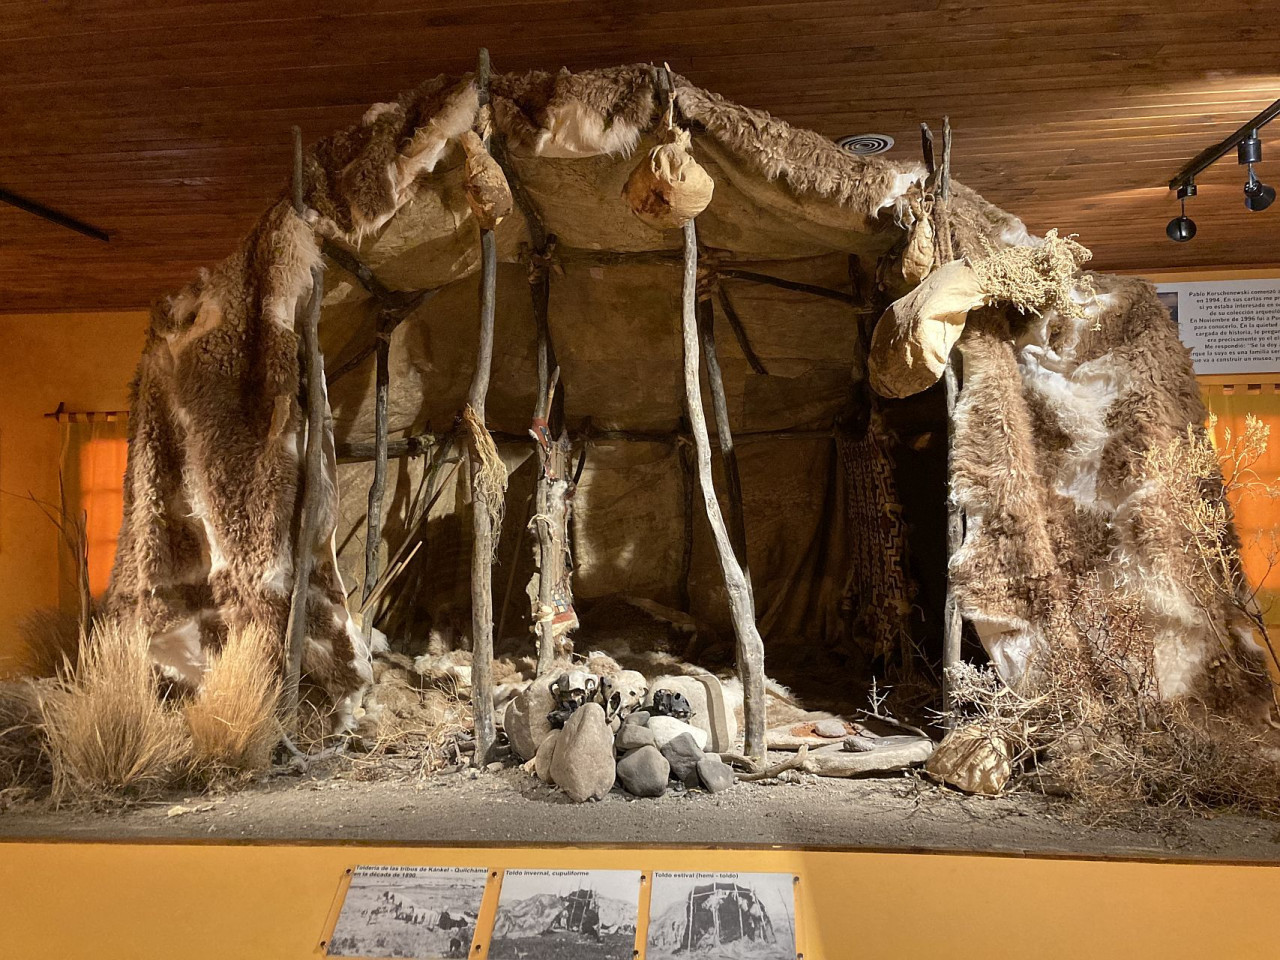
1231,327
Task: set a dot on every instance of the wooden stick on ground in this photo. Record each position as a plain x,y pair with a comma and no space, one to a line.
311,489
482,510
750,647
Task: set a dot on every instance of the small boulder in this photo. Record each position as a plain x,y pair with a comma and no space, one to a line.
644,772
683,753
833,728
974,759
666,729
632,736
525,720
639,717
706,696
583,765
715,774
546,751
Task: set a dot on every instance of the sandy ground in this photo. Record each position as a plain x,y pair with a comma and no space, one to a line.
509,807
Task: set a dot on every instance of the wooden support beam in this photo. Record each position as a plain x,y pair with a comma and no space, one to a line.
728,455
734,273
740,332
750,646
420,445
952,622
482,510
377,488
311,487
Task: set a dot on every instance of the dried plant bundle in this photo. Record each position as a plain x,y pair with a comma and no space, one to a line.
109,734
232,718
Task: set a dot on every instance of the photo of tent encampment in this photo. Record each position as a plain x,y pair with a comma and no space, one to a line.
428,913
722,916
566,915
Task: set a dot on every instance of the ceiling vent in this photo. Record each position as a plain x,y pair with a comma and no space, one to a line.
865,144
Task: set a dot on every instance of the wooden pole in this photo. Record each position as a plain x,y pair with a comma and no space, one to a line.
377,488
728,455
310,487
750,647
952,622
482,510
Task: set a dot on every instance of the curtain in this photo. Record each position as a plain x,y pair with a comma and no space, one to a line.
94,453
1257,515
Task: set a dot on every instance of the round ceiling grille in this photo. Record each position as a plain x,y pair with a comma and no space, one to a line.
865,144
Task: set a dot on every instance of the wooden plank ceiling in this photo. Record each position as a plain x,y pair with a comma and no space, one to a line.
166,122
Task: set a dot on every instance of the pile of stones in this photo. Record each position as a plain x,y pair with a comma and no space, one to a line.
619,731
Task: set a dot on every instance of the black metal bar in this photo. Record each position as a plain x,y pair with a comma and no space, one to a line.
1210,155
53,216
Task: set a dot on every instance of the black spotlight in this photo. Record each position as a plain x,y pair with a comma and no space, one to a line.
1182,228
1257,195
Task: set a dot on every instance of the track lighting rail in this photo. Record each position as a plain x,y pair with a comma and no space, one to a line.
1205,158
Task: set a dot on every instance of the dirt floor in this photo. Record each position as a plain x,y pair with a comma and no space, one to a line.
507,806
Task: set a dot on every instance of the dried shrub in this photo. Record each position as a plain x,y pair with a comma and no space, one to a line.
24,762
1088,722
1037,279
109,734
232,718
412,719
52,640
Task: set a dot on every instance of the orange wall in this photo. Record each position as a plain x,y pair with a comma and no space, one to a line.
85,361
227,902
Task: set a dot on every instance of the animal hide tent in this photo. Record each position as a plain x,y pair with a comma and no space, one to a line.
1054,417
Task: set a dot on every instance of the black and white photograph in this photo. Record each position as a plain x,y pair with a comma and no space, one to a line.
424,913
722,916
566,915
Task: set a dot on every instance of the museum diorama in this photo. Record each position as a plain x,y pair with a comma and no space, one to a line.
592,425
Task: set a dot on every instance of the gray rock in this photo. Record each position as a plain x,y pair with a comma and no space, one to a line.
683,753
632,736
715,774
525,721
835,729
583,765
711,712
666,729
640,718
546,751
644,772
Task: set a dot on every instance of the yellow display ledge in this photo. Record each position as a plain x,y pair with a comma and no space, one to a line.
242,902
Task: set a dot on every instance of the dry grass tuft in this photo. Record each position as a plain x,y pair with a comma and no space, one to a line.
108,733
24,764
232,718
52,640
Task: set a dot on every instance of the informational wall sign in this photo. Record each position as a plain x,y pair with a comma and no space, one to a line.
428,913
702,916
1232,327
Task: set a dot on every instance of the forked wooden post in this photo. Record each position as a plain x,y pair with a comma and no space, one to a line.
482,510
750,647
310,487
